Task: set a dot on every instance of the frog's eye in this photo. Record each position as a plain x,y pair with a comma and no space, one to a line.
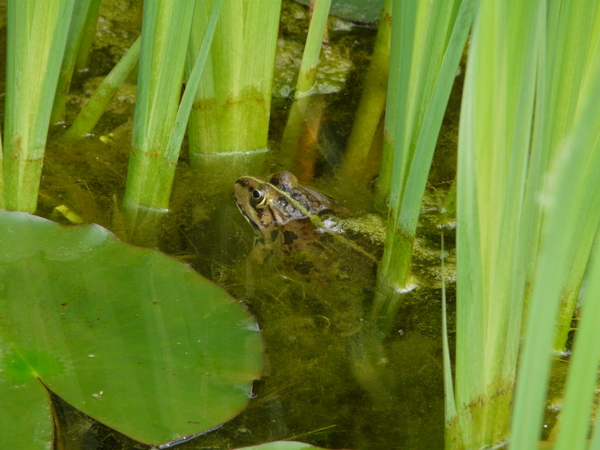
257,196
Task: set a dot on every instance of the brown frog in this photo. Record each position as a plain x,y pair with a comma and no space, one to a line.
307,230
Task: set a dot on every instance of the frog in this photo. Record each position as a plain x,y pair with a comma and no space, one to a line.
311,235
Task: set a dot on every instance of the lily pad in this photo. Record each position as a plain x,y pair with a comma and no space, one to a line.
128,335
282,445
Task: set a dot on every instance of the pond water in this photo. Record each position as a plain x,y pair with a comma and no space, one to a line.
329,379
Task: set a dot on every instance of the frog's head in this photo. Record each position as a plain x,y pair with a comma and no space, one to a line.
280,204
254,198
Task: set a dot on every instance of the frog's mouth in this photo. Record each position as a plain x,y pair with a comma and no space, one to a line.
249,219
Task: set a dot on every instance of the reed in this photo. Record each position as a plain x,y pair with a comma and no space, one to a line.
515,149
495,131
165,36
97,103
1,176
571,192
568,49
299,144
228,126
426,46
81,27
36,40
312,49
370,112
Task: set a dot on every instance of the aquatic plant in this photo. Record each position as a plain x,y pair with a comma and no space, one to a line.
426,48
229,122
529,131
36,40
129,336
524,200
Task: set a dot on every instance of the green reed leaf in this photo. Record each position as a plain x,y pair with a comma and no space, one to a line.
36,39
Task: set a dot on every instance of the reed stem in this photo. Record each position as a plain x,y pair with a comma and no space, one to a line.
36,39
371,107
228,127
312,49
165,35
97,103
423,67
85,16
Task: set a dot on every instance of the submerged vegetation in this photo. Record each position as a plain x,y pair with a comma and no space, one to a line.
346,291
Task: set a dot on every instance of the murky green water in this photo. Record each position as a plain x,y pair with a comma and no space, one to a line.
329,379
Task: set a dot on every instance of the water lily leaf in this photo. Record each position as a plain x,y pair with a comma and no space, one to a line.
282,445
25,419
128,335
355,10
